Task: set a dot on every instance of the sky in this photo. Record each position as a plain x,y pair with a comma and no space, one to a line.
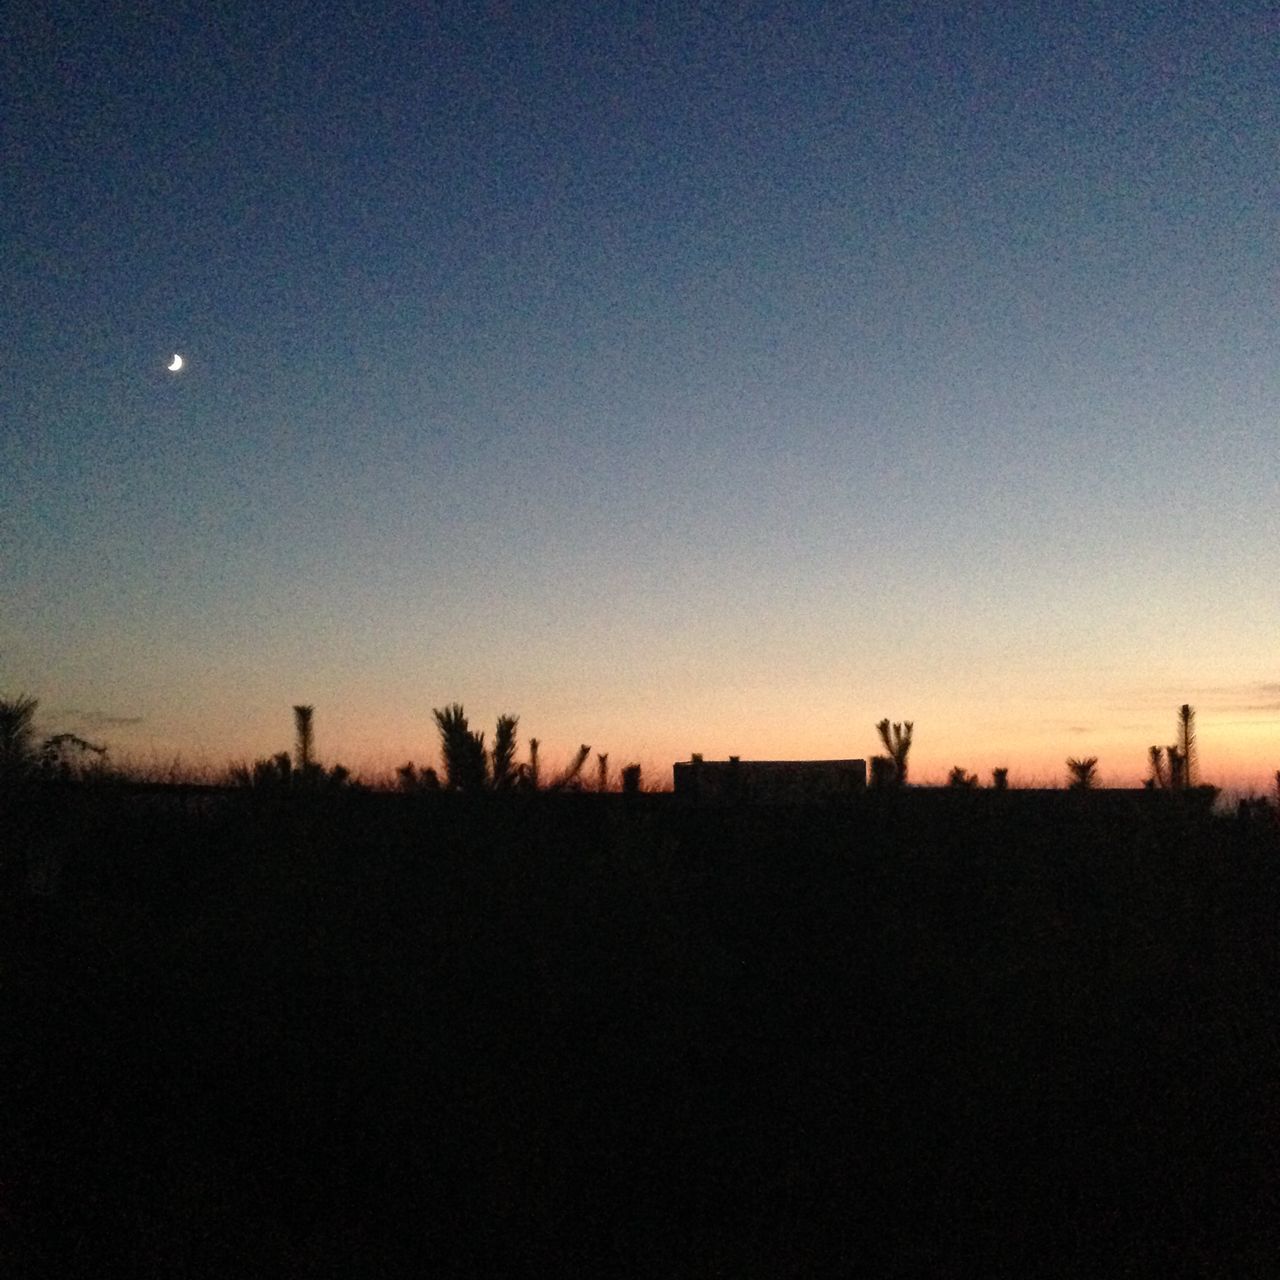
680,377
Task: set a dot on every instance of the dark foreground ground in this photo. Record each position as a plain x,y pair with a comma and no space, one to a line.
579,1036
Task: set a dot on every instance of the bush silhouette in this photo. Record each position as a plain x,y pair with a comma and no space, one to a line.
1083,773
17,735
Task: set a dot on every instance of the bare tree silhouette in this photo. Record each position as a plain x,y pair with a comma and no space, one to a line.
897,742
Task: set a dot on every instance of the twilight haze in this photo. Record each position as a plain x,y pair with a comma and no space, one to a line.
715,378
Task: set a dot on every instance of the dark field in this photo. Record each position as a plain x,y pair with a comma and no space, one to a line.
578,1035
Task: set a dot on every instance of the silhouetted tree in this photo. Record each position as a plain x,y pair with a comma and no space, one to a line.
532,774
630,779
304,724
66,756
898,744
410,778
602,771
1177,767
1083,773
463,751
17,735
1187,744
1000,779
503,772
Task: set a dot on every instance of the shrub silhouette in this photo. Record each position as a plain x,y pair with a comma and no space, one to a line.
410,778
17,735
883,771
275,773
1083,773
62,756
898,744
65,756
959,778
279,772
1000,779
631,779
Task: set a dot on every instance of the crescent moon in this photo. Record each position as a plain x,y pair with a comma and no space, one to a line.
176,363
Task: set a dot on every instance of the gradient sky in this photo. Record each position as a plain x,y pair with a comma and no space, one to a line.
681,377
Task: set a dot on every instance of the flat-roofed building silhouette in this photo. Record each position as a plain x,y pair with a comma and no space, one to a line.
769,781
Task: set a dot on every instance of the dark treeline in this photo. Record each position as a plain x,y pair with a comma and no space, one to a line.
611,1035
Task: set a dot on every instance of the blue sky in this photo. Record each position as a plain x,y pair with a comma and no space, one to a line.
714,377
